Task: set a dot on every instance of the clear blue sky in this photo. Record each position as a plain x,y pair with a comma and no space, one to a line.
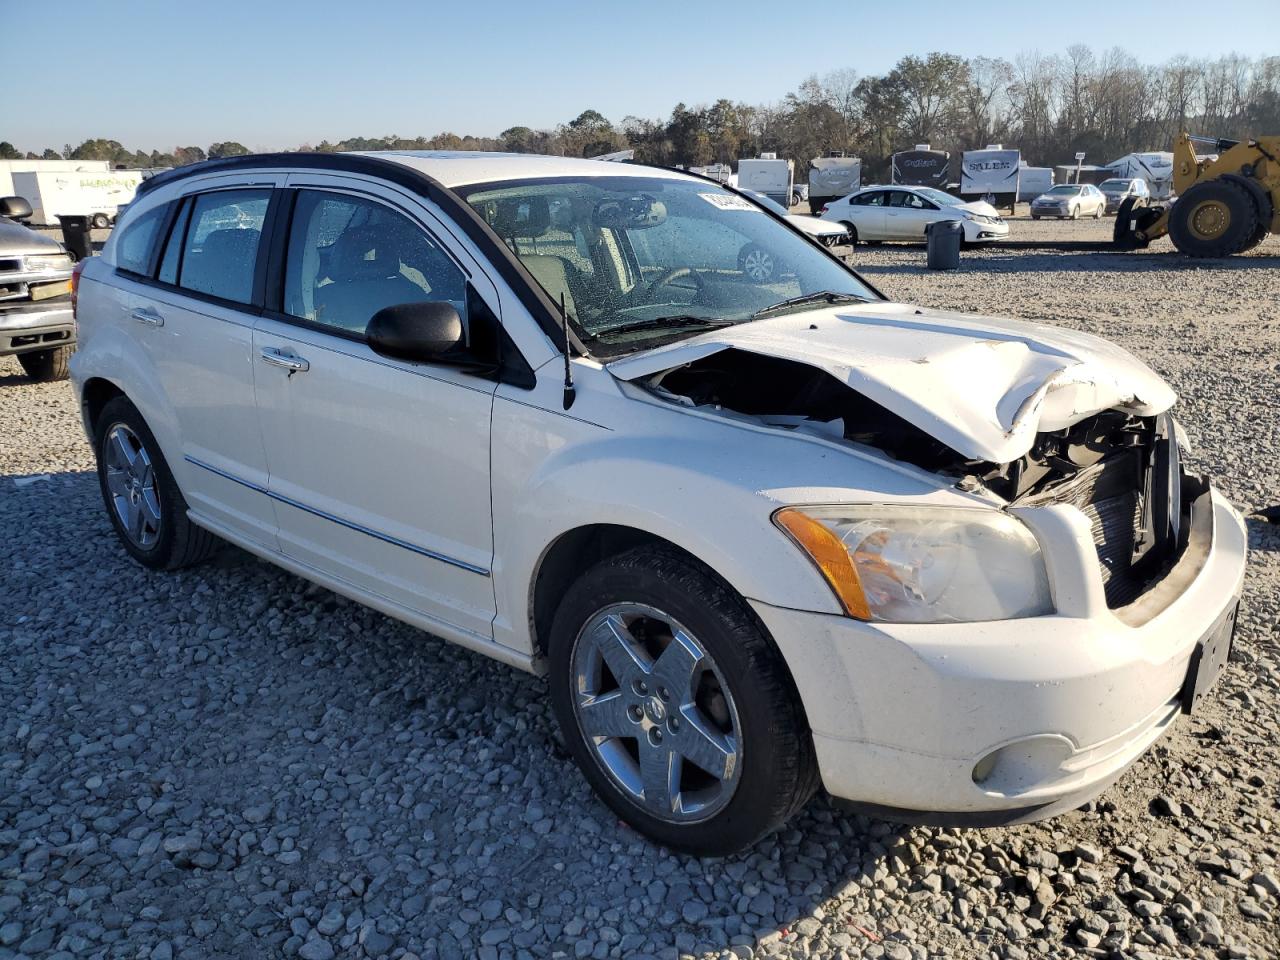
273,73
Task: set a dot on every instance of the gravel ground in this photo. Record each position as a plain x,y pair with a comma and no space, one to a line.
229,762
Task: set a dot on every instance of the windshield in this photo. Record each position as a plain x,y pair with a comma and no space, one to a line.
1114,186
937,196
1063,191
642,260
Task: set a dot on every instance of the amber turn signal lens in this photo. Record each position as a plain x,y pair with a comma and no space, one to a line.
829,555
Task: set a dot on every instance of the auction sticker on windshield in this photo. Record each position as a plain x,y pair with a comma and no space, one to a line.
728,201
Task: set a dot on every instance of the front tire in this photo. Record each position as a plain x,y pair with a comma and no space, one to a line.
675,704
45,366
145,506
1214,218
758,263
100,221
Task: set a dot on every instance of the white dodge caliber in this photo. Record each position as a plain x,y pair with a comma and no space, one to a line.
760,534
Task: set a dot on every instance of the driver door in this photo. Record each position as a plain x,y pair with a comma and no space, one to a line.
379,467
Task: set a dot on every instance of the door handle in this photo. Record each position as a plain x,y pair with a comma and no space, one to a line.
148,316
289,361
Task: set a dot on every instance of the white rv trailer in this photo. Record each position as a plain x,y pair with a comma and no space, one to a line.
1155,168
991,175
768,175
1033,181
96,194
831,178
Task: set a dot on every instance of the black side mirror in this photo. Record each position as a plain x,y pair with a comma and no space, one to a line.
427,332
15,208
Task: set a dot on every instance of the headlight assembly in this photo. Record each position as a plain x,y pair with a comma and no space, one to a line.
923,564
46,262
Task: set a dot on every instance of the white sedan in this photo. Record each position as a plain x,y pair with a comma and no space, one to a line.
827,233
1070,200
874,214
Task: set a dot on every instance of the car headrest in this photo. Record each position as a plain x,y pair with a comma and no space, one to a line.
526,217
362,253
230,244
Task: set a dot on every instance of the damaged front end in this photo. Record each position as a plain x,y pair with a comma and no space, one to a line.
1122,470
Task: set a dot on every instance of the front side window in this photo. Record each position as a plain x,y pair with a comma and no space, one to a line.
903,198
349,257
133,250
221,246
637,260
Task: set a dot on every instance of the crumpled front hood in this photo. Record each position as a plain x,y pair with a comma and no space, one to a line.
983,386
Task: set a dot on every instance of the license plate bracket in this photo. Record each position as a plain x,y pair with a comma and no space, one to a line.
1209,659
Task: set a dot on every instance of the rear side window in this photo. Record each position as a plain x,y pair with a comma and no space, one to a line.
874,199
133,249
221,246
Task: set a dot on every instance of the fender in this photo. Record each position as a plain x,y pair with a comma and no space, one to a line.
707,484
117,358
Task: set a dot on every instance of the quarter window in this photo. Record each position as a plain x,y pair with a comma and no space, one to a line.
349,257
221,248
133,250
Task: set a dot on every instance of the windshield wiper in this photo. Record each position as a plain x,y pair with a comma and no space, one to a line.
659,323
821,296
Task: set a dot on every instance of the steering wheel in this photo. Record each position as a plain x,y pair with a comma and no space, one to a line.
675,274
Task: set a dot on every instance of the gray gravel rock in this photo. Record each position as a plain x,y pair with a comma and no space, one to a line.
230,762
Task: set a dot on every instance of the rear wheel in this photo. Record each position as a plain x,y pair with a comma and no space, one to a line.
1214,218
853,233
100,221
143,501
1097,212
47,365
675,704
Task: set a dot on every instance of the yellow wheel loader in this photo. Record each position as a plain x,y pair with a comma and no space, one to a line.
1223,206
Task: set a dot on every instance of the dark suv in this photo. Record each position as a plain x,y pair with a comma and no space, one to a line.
35,296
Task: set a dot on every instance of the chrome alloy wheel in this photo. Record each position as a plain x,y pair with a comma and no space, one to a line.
131,481
656,713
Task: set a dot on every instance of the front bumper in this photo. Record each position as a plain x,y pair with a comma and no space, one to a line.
39,325
976,232
903,713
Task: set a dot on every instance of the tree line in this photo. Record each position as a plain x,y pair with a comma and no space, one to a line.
1048,105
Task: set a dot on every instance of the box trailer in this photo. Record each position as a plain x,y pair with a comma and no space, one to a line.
921,167
9,167
991,174
768,175
1033,181
831,178
98,195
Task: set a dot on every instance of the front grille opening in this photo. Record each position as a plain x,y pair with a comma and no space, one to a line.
1135,514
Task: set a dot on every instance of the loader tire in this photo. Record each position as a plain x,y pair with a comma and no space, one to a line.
1214,218
1261,200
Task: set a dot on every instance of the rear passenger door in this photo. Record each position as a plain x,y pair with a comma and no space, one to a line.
194,318
379,467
